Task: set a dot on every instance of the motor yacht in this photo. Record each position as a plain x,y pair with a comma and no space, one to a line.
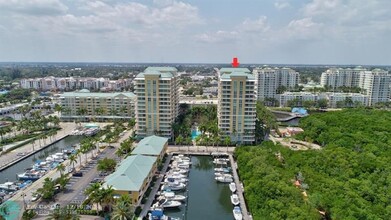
235,199
175,186
217,174
165,203
9,186
223,179
172,179
172,196
237,213
232,187
30,175
222,169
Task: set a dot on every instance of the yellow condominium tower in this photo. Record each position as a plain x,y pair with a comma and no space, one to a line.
157,101
236,104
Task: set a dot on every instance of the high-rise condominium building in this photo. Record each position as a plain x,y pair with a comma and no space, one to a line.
236,104
339,77
84,105
375,83
157,101
270,80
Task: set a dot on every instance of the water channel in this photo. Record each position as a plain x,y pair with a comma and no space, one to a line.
10,173
207,199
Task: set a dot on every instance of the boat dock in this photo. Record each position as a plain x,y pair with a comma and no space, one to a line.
239,189
6,164
156,187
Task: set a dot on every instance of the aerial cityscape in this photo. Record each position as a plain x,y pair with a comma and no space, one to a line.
185,110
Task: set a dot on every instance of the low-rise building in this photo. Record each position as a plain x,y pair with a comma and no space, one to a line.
338,100
132,177
85,106
152,146
299,97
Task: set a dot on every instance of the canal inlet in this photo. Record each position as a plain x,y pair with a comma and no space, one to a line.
9,172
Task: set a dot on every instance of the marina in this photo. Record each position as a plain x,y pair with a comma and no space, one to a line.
191,190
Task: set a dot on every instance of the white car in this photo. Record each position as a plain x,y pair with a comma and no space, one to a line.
35,197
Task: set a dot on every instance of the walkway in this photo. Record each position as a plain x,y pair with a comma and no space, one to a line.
239,189
12,157
151,196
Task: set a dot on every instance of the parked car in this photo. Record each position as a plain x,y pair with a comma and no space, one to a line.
35,197
77,174
96,180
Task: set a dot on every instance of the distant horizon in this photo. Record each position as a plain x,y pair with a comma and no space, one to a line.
186,63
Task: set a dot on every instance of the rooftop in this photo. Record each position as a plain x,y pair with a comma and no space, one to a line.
161,69
131,173
152,145
248,75
230,70
82,93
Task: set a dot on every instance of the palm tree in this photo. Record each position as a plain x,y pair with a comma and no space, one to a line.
63,181
58,108
60,168
72,159
107,196
227,141
78,153
123,209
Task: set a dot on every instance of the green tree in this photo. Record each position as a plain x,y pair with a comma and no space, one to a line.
106,164
47,190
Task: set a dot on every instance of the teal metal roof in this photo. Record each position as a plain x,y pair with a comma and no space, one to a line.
161,73
161,69
152,145
233,74
131,173
97,94
230,70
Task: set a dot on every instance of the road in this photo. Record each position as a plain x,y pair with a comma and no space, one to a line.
77,185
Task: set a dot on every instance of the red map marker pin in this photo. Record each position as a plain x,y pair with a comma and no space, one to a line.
235,62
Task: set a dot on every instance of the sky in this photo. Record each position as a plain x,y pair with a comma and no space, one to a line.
197,31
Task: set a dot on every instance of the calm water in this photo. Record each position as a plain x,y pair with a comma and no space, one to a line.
207,199
10,172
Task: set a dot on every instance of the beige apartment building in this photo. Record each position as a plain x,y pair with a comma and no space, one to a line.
157,101
236,104
89,106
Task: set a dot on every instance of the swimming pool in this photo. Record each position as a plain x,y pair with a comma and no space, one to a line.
194,134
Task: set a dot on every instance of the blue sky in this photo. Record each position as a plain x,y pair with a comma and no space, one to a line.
197,31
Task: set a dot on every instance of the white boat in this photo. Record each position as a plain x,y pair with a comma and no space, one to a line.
30,175
237,213
179,171
217,174
181,157
219,162
224,170
232,187
173,186
175,175
165,203
49,159
235,199
9,186
173,196
181,166
171,180
223,179
181,163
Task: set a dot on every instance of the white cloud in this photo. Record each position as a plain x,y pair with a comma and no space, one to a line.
303,29
320,7
258,25
33,7
218,36
281,4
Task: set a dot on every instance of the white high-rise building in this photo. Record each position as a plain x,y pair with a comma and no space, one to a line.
269,80
375,83
157,101
339,77
236,104
377,86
